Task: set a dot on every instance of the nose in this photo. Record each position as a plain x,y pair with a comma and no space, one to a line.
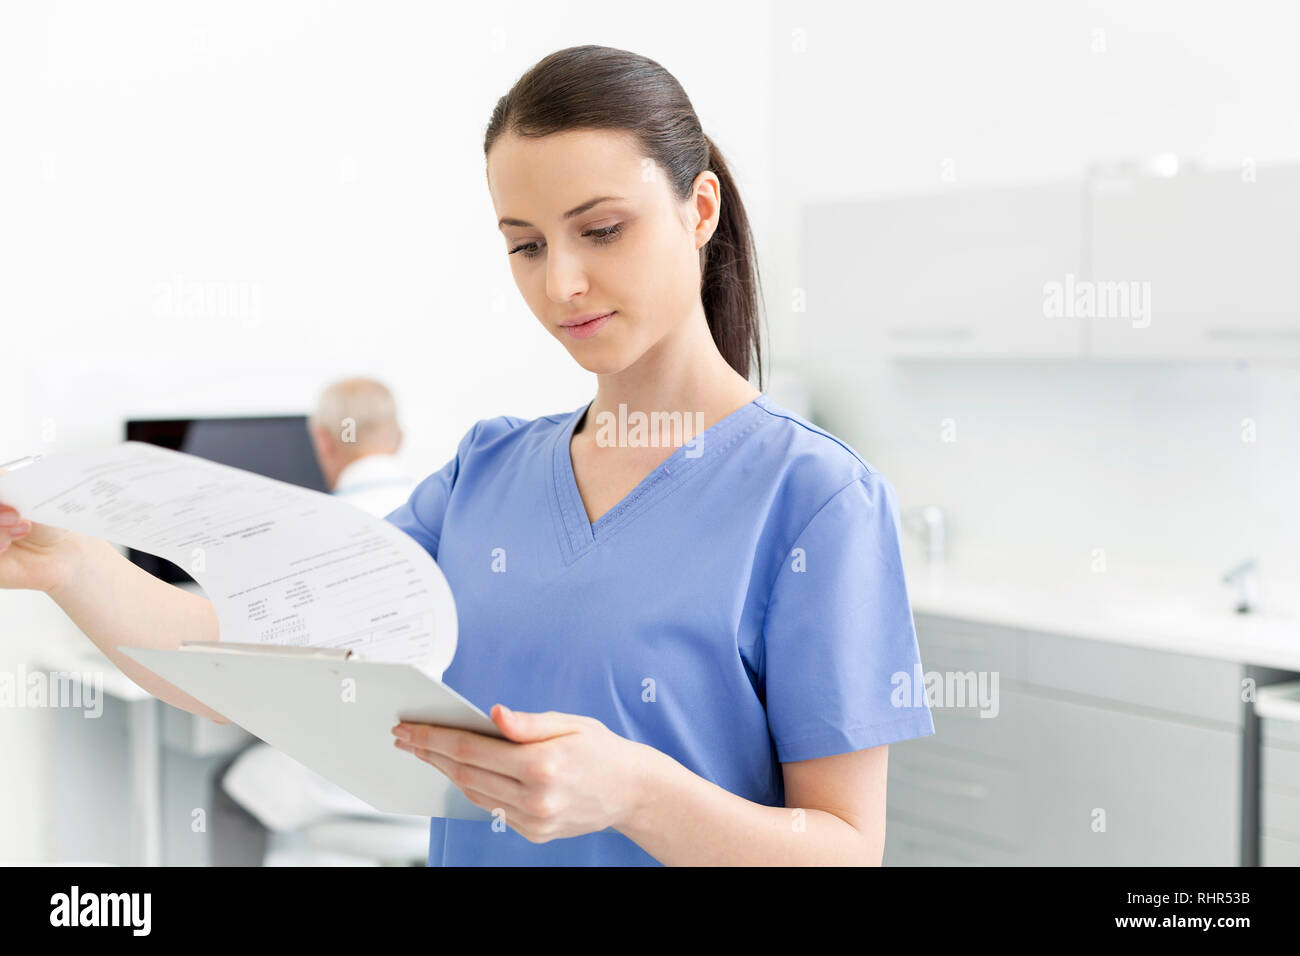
565,275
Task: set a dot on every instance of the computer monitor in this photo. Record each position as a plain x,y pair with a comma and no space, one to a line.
276,446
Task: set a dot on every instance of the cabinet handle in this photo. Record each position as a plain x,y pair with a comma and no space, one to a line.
1284,334
972,643
955,332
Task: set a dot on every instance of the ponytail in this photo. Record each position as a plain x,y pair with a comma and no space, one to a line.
729,285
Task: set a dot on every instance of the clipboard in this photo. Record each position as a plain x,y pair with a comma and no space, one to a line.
333,712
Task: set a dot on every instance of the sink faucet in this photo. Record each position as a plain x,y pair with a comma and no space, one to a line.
928,520
1246,578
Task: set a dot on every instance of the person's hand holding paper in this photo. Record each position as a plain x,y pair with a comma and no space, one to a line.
33,556
286,569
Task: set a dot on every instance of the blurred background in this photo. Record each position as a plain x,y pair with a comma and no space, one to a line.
1035,262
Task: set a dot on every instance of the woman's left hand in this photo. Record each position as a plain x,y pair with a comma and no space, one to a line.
555,775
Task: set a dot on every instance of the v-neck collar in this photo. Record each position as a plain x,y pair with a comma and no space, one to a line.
578,534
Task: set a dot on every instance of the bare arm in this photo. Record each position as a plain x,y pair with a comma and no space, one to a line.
112,601
116,604
834,815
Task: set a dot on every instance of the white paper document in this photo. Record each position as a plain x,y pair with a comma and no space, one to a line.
288,569
281,564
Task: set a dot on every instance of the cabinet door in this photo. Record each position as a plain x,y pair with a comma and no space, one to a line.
982,797
967,779
1213,255
1279,798
1179,685
1170,791
907,844
959,273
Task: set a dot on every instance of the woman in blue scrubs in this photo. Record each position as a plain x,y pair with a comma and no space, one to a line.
682,604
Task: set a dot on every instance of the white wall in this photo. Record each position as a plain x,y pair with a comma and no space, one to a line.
317,171
1052,459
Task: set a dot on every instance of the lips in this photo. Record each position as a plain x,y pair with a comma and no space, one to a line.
584,318
585,329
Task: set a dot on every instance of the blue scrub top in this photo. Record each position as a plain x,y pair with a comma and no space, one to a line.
743,606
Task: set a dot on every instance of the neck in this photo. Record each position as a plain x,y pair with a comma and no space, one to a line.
682,372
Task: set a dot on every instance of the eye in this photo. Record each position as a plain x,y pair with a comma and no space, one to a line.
607,234
603,235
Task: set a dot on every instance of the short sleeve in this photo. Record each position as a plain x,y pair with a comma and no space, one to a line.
421,514
841,661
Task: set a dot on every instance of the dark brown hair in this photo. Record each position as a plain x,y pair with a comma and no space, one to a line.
598,87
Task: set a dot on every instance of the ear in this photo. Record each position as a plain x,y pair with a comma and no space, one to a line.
707,205
320,441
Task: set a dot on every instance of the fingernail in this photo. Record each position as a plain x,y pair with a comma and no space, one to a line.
8,518
21,530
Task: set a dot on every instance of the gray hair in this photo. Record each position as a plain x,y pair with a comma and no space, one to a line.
359,412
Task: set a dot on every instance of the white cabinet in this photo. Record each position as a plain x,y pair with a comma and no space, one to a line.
1216,254
1114,787
959,273
907,844
1279,785
1195,266
1099,754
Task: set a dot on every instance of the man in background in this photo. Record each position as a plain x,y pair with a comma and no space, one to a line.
356,437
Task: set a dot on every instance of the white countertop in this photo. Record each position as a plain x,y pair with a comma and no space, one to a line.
1160,612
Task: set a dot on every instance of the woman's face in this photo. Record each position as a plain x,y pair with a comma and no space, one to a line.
636,255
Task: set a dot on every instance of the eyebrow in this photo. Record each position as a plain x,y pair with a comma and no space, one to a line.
575,211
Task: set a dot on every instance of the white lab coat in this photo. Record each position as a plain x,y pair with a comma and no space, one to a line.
375,483
279,791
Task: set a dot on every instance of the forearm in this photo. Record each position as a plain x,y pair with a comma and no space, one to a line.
116,604
684,820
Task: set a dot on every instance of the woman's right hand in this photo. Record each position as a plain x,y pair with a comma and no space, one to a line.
33,556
